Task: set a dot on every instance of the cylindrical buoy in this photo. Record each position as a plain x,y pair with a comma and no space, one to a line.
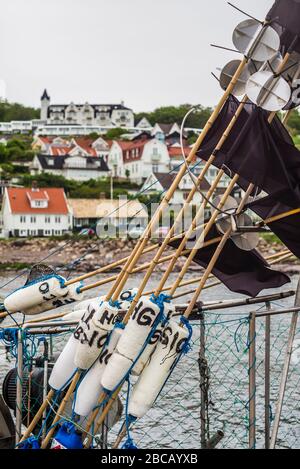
65,367
84,304
156,372
88,392
93,332
71,295
131,343
35,294
74,315
169,312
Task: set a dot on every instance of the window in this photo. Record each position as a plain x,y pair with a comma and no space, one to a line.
47,232
22,219
155,168
57,219
32,219
155,151
47,219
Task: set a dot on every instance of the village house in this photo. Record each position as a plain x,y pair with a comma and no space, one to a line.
80,159
137,159
120,214
77,168
35,212
105,115
159,183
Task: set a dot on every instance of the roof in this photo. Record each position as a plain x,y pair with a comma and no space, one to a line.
59,162
100,208
97,107
19,199
176,151
45,95
166,180
129,149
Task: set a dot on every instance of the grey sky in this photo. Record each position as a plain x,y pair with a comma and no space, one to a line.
148,53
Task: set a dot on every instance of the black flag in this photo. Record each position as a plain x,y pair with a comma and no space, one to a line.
284,16
261,153
287,229
244,272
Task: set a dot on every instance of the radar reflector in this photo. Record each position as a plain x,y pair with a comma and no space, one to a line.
255,40
243,239
267,91
229,71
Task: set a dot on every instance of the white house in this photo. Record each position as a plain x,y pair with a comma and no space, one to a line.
136,160
104,115
35,212
78,168
160,183
77,146
89,212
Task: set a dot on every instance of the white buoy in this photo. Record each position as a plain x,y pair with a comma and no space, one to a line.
131,343
74,315
90,388
156,372
169,312
93,333
64,367
35,294
72,295
84,304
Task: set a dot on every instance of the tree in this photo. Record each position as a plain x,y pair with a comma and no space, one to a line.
171,114
3,153
114,134
294,122
17,112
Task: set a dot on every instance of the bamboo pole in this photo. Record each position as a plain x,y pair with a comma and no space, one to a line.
37,416
61,409
229,231
137,252
118,286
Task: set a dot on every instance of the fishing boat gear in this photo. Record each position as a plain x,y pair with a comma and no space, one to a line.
89,389
85,344
138,332
173,344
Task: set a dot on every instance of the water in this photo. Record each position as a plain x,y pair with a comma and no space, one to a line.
174,421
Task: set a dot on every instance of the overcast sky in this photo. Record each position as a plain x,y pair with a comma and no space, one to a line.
148,53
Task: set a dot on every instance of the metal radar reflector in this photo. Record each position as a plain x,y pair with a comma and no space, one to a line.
255,40
229,71
243,239
268,91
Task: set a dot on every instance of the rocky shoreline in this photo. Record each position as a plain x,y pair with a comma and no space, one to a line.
84,255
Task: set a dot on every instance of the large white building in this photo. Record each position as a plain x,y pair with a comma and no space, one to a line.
105,115
35,212
136,160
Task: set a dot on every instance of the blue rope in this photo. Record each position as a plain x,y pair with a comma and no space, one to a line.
129,443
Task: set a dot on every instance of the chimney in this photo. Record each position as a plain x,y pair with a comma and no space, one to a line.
34,186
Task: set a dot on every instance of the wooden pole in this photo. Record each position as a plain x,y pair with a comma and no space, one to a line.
118,286
38,416
61,409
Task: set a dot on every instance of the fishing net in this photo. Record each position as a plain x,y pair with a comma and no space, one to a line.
208,392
